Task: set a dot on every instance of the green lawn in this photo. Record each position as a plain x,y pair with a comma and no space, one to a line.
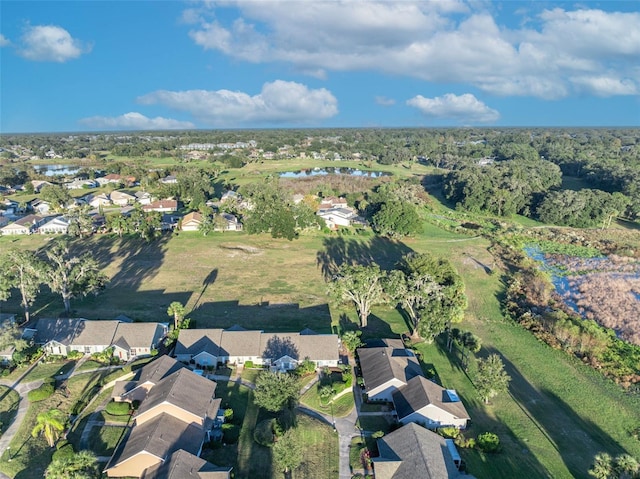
103,440
48,370
90,364
9,402
339,407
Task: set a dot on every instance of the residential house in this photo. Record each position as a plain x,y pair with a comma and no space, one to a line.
413,452
60,336
423,401
145,378
149,444
122,198
169,180
184,465
162,206
230,223
330,202
143,197
39,184
335,217
99,200
40,207
80,184
230,196
387,368
191,221
114,178
24,226
56,225
282,351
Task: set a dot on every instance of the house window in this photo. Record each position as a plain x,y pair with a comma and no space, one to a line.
132,352
87,350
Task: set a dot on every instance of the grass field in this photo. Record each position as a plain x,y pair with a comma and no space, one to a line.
9,402
103,440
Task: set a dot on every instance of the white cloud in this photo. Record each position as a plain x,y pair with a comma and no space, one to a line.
50,43
4,41
605,85
384,101
464,108
135,121
279,101
436,41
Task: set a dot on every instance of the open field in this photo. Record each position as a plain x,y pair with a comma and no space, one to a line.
9,402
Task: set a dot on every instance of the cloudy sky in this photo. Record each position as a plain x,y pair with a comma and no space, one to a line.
134,65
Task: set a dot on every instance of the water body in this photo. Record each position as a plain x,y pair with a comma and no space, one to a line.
333,171
56,170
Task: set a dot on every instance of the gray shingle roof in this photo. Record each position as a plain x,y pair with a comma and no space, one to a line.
95,333
183,465
186,390
160,436
240,343
137,335
420,392
60,330
413,452
380,365
194,341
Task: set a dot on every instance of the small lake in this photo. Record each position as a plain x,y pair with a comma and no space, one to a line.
333,171
55,170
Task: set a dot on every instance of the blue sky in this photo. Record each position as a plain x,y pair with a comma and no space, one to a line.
150,65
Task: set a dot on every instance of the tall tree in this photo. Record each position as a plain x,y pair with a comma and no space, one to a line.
177,310
80,223
50,424
360,284
491,378
287,451
276,391
82,465
23,270
72,276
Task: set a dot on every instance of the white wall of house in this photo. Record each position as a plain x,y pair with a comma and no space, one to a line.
434,417
53,347
88,349
385,391
205,359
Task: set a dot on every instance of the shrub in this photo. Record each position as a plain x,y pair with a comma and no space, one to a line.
64,450
43,392
248,364
377,434
230,433
228,415
118,408
5,372
75,355
306,367
488,442
449,432
263,433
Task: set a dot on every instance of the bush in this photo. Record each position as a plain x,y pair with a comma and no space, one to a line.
75,355
449,432
263,434
118,408
64,450
230,433
40,394
248,364
488,442
228,415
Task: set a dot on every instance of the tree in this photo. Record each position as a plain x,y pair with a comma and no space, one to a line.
470,344
351,340
271,210
602,467
491,378
276,391
414,291
177,310
287,451
70,275
50,424
82,465
23,270
57,196
80,223
11,336
360,284
397,219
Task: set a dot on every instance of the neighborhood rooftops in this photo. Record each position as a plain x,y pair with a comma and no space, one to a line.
420,392
184,465
383,364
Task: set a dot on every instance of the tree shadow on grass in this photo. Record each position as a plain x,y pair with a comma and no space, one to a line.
576,439
379,250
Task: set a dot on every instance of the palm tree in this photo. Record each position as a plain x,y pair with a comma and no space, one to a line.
50,423
176,310
627,466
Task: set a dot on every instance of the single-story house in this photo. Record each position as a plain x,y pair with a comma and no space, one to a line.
40,207
162,206
387,368
80,184
60,336
122,198
169,180
413,452
151,443
191,221
143,197
335,217
56,225
330,202
423,401
184,465
232,223
39,184
282,351
99,200
24,226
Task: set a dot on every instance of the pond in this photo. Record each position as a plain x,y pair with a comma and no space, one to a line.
55,170
333,171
